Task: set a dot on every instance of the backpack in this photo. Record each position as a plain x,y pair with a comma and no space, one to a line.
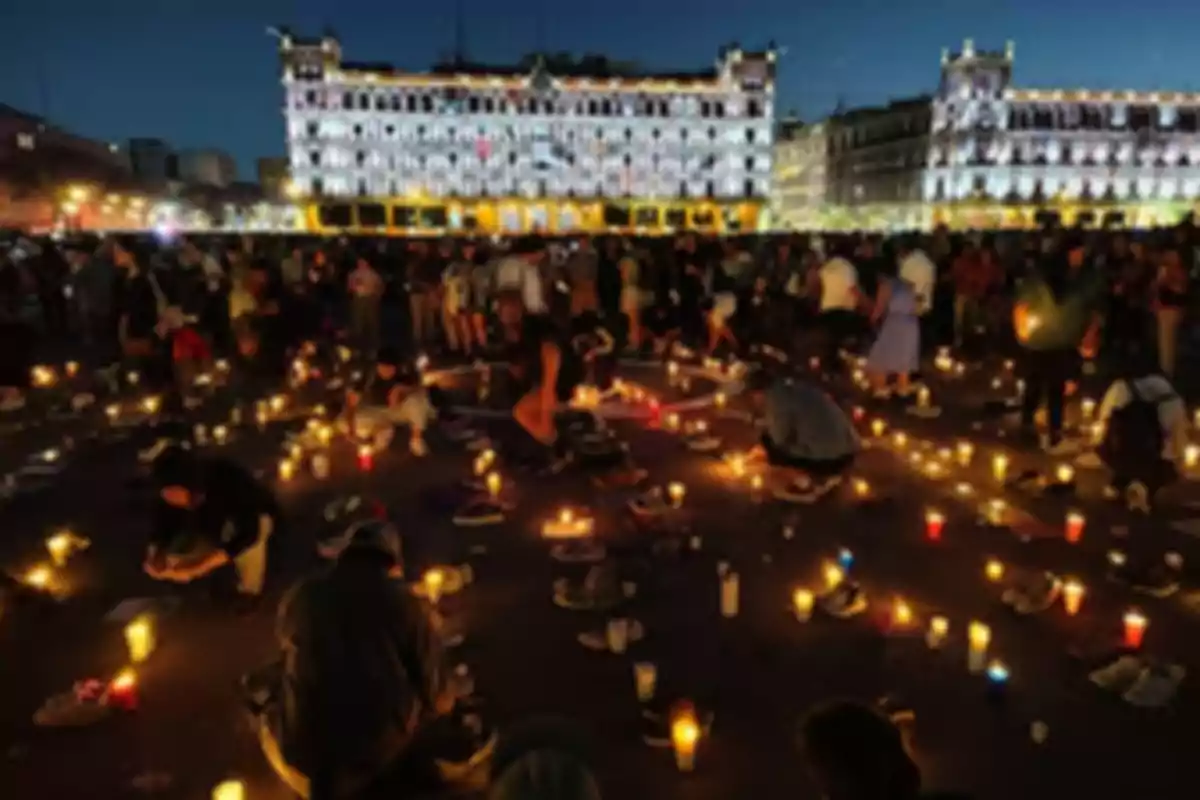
1134,435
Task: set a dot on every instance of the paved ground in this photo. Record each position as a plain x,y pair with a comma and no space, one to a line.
759,671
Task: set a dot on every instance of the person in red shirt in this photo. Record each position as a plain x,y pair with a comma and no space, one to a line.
975,274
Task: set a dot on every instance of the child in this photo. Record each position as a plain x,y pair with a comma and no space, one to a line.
1144,423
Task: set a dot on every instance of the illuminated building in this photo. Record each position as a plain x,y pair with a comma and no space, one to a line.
984,153
552,144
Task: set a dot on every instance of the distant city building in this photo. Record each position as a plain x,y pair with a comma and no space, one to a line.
153,161
207,168
551,143
273,177
984,153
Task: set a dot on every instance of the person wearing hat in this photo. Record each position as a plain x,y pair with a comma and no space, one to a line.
210,512
389,397
361,674
806,436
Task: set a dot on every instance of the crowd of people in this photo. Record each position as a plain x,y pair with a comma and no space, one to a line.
559,312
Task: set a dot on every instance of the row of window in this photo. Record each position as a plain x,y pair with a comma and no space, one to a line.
1031,188
1080,155
363,158
319,187
462,102
313,129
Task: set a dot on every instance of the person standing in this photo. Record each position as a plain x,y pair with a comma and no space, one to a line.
1169,301
1056,319
920,272
840,299
365,287
897,348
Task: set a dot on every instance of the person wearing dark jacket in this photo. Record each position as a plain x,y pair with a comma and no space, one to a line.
210,512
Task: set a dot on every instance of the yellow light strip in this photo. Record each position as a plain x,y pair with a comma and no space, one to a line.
509,83
1098,96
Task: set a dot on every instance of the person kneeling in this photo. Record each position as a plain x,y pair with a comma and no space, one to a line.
387,399
806,436
210,512
360,697
1144,423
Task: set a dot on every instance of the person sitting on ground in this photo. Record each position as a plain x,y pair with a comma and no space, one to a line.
389,397
855,753
806,435
361,674
1145,431
210,512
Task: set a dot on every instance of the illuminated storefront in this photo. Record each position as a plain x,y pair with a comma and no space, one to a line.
552,145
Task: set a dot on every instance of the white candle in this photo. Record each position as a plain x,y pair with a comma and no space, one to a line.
729,595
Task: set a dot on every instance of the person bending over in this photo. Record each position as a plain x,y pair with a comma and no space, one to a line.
538,370
360,674
210,512
1144,424
806,436
390,397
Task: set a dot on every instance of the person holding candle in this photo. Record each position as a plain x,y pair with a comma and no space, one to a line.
1145,427
806,437
219,513
1056,319
361,694
387,398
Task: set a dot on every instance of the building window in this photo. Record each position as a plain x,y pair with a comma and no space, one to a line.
749,163
358,131
606,108
314,130
396,102
25,141
628,134
683,134
347,100
453,159
656,133
664,109
683,189
364,101
420,131
360,158
473,104
750,133
512,158
380,103
710,190
314,158
411,102
705,109
426,103
753,108
390,130
362,187
748,188
317,187
718,109
310,97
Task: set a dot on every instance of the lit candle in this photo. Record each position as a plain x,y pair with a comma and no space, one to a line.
229,790
287,469
730,591
814,363
320,466
737,465
122,690
756,483
132,378
1196,418
878,426
802,604
1191,456
685,734
676,491
923,397
220,434
139,638
324,435
720,400
645,676
1087,407
1074,527
861,488
964,489
277,403
997,383
672,422
939,627
902,614
996,512
979,637
1008,364
900,439
994,570
672,369
151,404
39,577
60,547
1135,628
1000,467
833,575
435,580
200,433
934,522
112,412
366,457
72,368
1073,592
1064,473
493,484
965,452
858,412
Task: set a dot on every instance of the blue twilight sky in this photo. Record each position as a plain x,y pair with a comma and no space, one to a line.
203,73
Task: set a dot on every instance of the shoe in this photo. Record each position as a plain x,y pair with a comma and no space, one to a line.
1155,687
418,447
702,443
1119,675
845,601
649,504
578,551
1137,497
1035,596
479,513
1062,447
155,450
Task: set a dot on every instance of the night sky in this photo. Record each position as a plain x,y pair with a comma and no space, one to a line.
205,74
